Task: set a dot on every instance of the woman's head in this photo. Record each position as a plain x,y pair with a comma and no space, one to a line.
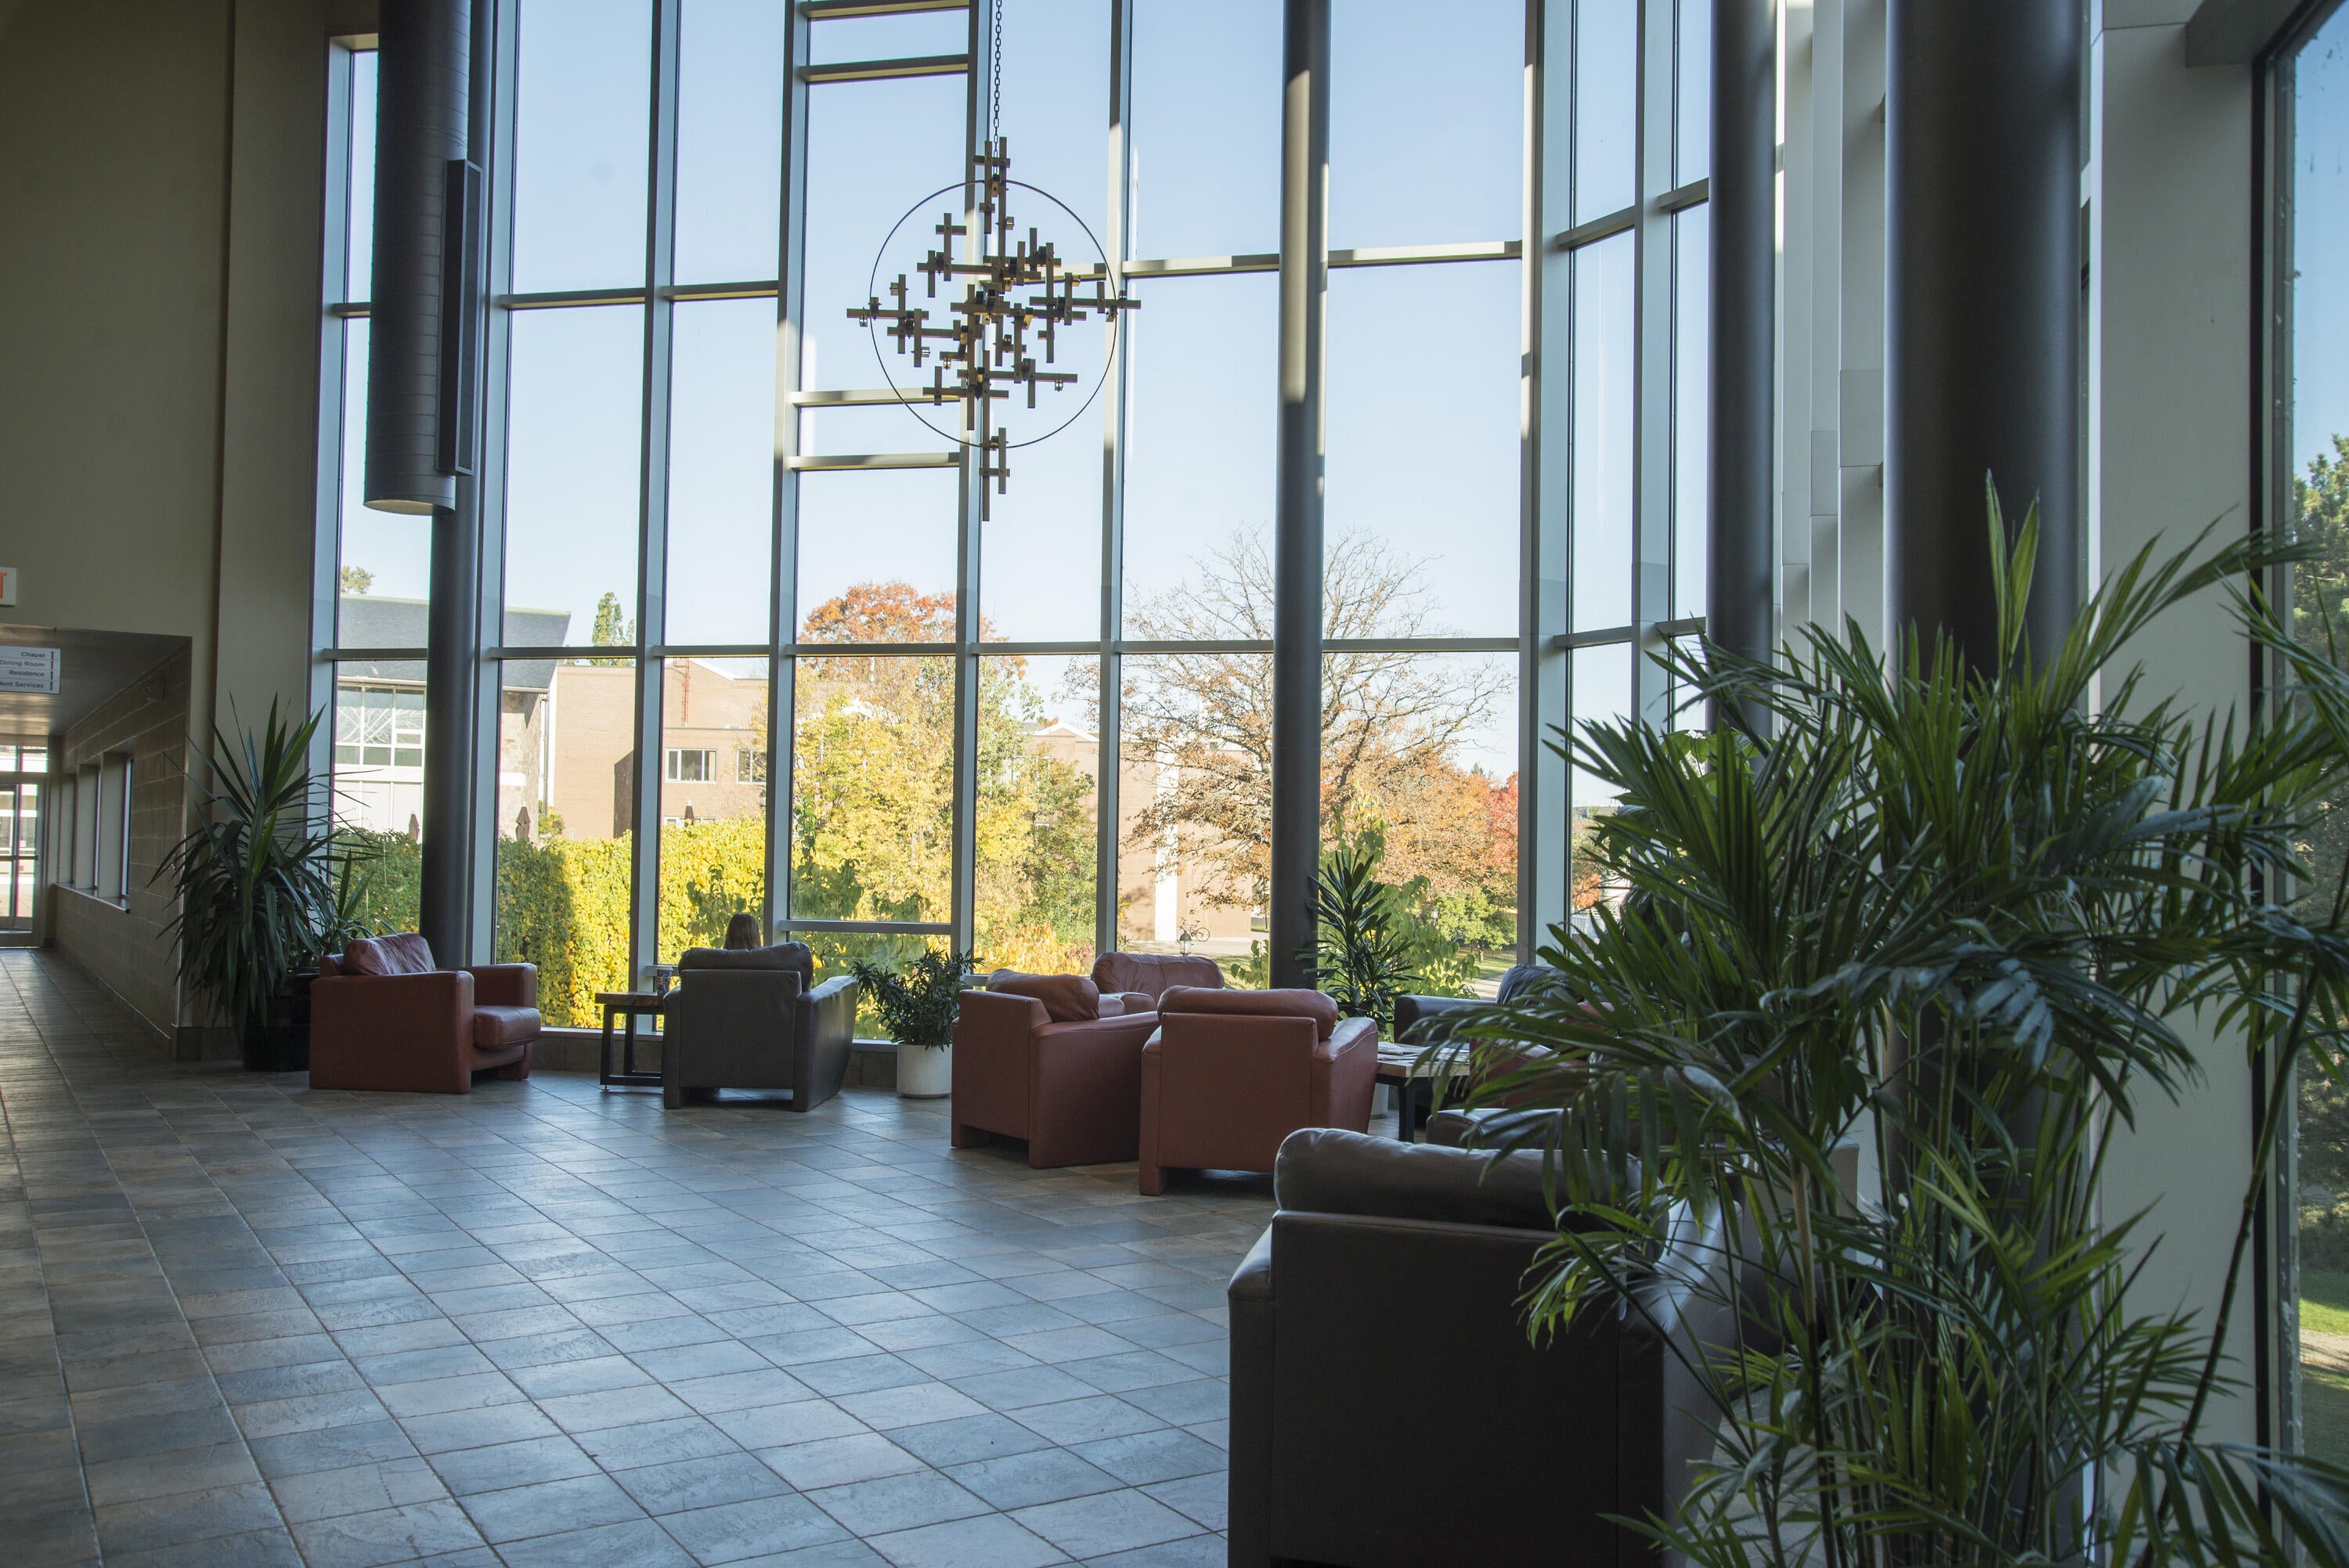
743,932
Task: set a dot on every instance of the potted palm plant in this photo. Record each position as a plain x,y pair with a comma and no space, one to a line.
919,1005
1961,915
256,890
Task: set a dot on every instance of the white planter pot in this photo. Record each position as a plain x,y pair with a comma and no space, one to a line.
924,1072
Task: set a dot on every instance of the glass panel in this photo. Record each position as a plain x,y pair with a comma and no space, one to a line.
1039,574
835,951
573,448
1037,754
1056,115
713,814
889,38
1200,435
384,559
875,150
1691,407
872,785
1207,128
566,744
1603,418
1601,682
582,136
1606,100
358,257
386,568
1449,452
876,556
2319,307
1419,757
1194,807
1451,167
28,838
1692,152
730,139
832,430
721,476
379,793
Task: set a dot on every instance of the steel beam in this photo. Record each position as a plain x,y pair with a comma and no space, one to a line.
1982,316
1297,513
1741,534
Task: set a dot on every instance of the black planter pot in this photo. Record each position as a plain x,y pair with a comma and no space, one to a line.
280,1042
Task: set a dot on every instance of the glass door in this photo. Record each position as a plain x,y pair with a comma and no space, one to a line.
21,782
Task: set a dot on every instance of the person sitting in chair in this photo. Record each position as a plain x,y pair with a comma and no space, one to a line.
742,933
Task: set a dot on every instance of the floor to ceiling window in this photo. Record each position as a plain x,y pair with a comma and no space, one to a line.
756,642
2310,100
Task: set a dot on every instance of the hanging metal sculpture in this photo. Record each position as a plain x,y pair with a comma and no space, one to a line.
1017,298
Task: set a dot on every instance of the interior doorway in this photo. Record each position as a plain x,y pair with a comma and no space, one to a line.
23,778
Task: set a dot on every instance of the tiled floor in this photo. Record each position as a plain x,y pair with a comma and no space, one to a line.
242,1323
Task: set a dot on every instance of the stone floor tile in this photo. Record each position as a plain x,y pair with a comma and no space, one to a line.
549,1508
702,1482
837,1461
871,1508
1103,1523
736,1532
373,1319
1025,1480
1144,1458
989,1540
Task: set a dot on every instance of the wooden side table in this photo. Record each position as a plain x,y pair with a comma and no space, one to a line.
630,1006
1414,1094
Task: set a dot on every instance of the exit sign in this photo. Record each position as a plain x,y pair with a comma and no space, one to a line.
7,585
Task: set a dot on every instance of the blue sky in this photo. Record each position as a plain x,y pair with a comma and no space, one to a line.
1423,410
2320,252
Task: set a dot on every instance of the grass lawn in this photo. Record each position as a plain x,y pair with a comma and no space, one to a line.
2324,1393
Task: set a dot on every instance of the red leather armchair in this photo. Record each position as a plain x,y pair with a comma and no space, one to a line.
1229,1074
1048,1059
384,1018
1154,974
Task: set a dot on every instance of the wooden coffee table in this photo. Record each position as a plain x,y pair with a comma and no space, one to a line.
631,1006
1414,1092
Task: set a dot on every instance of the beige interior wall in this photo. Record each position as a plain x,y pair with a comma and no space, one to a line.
162,176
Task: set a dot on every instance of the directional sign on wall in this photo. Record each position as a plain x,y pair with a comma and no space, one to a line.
29,669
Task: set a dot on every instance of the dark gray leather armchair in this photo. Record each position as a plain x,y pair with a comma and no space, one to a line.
1387,1408
755,1019
1412,1012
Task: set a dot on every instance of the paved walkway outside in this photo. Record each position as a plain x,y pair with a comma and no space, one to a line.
243,1323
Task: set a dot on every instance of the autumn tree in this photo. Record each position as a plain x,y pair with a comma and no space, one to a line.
1197,730
611,630
873,791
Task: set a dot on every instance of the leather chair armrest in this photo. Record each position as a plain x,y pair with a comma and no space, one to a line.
1346,1074
1350,1035
504,985
824,1030
1254,1320
411,1032
1137,1001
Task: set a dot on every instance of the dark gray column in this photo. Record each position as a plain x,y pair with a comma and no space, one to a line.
424,122
1982,326
1297,514
1741,544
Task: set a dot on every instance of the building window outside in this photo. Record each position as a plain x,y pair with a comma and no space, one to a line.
749,768
692,767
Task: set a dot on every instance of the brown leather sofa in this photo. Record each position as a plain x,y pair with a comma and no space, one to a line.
383,1018
754,1018
1229,1074
1490,1450
1048,1059
1152,973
